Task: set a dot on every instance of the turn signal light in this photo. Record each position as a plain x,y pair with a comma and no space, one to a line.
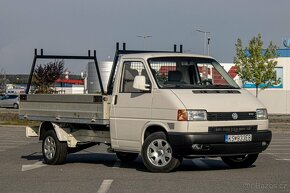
182,115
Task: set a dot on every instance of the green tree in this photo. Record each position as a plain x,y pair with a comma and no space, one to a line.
256,65
46,75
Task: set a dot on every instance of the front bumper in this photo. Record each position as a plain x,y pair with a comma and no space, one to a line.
213,144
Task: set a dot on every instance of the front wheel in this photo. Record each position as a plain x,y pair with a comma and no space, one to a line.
157,154
241,161
54,151
127,157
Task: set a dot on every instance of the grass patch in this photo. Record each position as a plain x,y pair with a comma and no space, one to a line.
11,118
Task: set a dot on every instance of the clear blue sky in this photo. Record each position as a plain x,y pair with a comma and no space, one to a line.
74,26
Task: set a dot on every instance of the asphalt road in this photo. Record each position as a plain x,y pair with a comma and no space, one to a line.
94,170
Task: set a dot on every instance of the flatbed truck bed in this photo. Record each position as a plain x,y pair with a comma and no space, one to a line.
69,108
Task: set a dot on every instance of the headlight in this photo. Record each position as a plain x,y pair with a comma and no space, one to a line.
261,114
191,115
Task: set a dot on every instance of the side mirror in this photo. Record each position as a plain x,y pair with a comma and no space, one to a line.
140,83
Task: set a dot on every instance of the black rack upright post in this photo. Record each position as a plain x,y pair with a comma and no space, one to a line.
42,56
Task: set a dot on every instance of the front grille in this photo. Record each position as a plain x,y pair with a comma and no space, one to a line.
230,116
233,129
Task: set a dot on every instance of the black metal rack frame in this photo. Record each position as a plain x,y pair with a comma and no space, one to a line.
93,57
125,51
42,56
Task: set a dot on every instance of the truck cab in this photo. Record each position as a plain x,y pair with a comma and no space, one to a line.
171,106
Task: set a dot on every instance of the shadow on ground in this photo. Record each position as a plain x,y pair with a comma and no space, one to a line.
110,160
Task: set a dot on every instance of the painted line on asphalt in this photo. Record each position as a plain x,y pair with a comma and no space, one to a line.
277,153
11,140
200,163
277,156
276,149
32,166
117,164
8,146
6,142
282,159
105,186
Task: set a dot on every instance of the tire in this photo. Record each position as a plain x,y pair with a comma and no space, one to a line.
54,152
15,106
242,161
127,157
157,154
180,159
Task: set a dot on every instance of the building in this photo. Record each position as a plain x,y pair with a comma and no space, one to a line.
69,86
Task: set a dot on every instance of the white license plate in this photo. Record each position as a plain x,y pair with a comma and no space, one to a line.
238,138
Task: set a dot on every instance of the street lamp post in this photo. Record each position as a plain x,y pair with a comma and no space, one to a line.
144,38
206,47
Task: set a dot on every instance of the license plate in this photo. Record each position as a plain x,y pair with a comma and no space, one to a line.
238,138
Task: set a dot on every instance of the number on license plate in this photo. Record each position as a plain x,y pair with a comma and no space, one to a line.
238,138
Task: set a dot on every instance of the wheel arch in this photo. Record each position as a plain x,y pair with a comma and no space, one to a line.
46,126
153,127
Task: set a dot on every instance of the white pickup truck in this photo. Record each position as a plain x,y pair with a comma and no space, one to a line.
162,105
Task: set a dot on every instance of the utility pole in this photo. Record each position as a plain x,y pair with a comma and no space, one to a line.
206,41
144,38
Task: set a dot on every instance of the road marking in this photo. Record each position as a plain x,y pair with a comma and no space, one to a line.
270,149
200,163
8,146
117,164
282,159
17,139
105,186
277,153
32,166
9,142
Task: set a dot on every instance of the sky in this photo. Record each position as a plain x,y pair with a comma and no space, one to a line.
74,26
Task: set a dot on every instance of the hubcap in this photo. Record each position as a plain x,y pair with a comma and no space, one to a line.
49,147
159,152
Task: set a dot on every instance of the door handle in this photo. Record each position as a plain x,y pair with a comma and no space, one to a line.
116,99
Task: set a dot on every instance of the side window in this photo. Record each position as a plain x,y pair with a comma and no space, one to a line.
12,96
130,70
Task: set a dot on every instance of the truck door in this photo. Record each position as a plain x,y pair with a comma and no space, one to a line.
131,108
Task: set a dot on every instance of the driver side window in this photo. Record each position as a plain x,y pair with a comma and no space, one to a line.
130,70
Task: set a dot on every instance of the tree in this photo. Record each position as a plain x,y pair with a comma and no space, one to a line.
46,75
255,64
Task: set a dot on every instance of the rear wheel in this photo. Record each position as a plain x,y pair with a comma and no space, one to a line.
241,161
127,157
157,154
54,151
15,106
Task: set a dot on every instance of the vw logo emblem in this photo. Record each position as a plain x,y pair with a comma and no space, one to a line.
235,116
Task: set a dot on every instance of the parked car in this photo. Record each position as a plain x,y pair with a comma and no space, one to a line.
9,101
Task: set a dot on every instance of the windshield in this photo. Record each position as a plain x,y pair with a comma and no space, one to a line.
191,73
